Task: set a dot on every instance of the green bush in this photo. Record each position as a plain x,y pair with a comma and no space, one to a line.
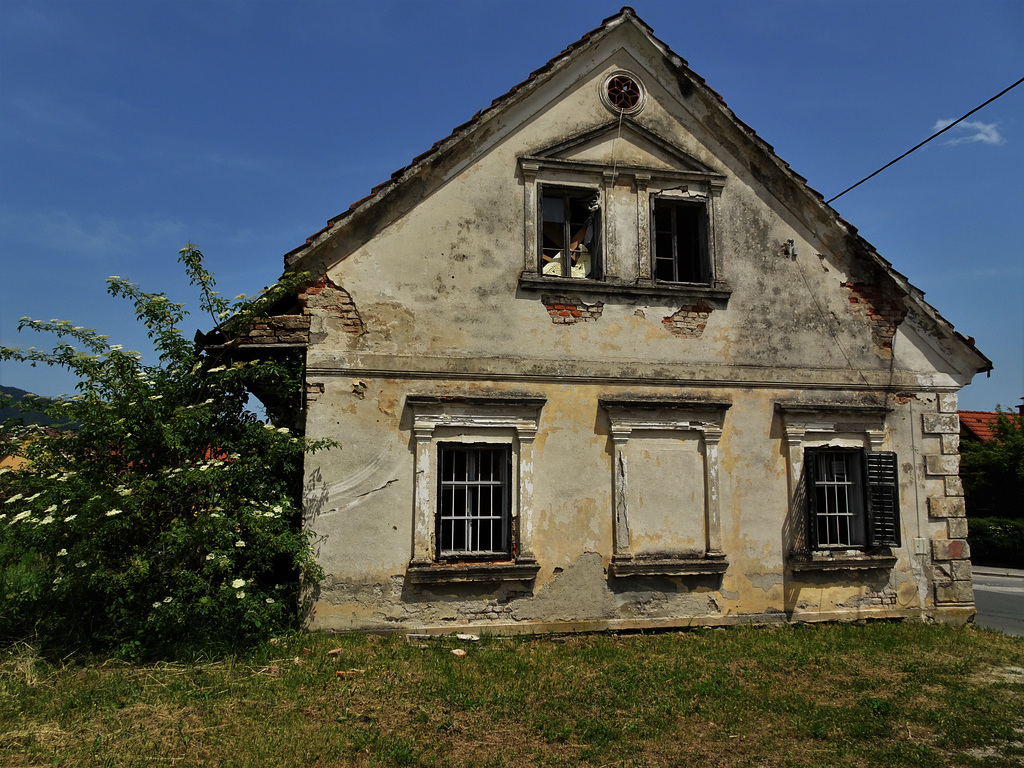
167,517
996,541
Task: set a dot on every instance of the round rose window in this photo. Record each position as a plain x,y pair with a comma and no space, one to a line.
623,93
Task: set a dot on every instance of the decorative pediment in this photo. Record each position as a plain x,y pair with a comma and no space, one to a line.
625,146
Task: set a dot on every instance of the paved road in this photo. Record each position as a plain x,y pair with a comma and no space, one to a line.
999,597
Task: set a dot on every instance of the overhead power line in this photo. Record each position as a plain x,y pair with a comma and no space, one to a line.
933,136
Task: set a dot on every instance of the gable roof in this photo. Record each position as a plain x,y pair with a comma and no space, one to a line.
978,424
325,247
629,132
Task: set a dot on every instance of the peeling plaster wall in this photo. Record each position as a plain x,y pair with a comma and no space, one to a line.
432,305
362,504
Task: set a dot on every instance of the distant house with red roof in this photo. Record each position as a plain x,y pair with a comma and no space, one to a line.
988,490
977,425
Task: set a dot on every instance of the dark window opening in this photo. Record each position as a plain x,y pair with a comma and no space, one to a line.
853,498
570,232
680,242
474,501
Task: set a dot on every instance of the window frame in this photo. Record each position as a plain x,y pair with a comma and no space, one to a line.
446,519
835,503
874,482
594,222
703,419
701,259
506,422
622,271
861,429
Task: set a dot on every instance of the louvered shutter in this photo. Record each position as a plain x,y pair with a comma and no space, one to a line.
883,499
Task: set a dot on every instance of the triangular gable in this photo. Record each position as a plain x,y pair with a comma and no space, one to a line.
623,143
407,186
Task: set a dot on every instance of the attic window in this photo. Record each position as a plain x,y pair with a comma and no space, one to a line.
570,232
623,94
679,242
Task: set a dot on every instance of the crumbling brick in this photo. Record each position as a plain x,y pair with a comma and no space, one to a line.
279,329
313,391
567,310
330,299
689,321
884,313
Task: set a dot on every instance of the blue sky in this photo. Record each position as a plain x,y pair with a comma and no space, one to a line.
129,127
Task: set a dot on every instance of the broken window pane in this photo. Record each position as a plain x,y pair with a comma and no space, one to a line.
570,227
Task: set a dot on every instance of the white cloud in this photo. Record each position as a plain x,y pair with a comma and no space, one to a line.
971,131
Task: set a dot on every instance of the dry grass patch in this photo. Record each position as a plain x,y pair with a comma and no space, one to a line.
859,696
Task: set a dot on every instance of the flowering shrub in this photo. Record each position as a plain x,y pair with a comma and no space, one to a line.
167,514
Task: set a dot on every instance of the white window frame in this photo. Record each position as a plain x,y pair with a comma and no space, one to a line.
467,420
858,429
473,491
648,184
705,234
629,415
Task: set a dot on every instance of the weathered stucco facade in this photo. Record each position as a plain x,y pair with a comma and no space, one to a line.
724,406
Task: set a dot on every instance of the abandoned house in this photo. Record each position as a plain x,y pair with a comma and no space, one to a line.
600,360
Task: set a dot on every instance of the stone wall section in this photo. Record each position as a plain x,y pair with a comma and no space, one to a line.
951,554
281,329
322,296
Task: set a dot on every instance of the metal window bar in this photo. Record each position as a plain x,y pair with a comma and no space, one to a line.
473,508
835,509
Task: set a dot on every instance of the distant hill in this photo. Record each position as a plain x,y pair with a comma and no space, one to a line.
25,417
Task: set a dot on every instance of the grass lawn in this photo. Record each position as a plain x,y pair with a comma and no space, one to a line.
880,694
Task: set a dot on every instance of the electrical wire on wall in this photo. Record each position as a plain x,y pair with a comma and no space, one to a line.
829,319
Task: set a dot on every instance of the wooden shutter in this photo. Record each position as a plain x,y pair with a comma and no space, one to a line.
883,499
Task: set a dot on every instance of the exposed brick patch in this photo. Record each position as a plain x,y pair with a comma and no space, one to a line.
883,312
689,321
566,310
278,329
313,391
292,325
331,299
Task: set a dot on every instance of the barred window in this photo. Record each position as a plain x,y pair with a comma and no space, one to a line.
853,498
474,501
